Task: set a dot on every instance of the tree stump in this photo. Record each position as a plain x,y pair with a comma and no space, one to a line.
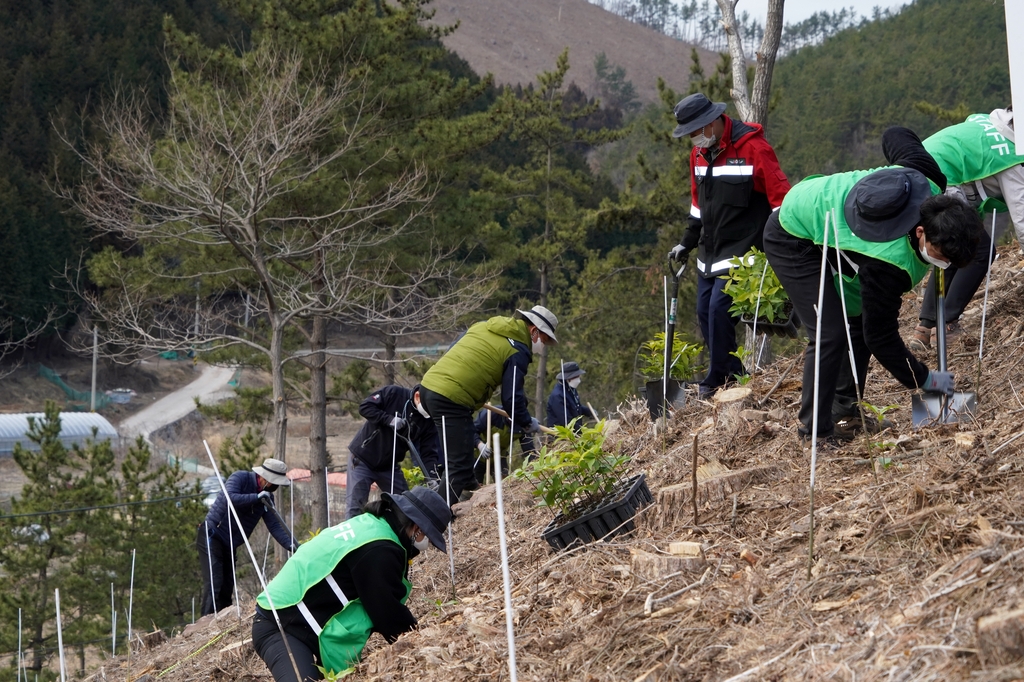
1001,638
674,501
657,567
729,405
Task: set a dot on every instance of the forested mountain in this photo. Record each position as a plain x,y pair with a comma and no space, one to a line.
834,100
58,59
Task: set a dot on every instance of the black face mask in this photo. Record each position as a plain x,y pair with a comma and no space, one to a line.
271,488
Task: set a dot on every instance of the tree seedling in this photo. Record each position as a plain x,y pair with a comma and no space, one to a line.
755,290
743,353
684,358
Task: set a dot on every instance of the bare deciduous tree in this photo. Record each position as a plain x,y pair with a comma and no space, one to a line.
258,190
755,106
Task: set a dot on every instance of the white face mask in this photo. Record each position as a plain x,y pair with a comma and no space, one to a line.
420,409
574,382
703,141
422,545
941,264
538,346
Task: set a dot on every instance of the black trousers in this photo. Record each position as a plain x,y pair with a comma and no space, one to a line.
215,561
797,263
267,641
455,430
961,285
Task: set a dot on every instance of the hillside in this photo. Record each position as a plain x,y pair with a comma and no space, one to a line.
517,40
908,559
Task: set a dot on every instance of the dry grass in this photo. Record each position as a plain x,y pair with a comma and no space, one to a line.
905,563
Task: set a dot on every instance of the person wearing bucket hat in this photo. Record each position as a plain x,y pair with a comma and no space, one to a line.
218,537
344,584
493,353
564,403
980,162
735,184
892,223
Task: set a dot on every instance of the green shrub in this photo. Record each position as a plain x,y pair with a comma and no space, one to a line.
744,283
574,473
684,358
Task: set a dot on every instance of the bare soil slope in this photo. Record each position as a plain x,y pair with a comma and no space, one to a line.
517,40
911,561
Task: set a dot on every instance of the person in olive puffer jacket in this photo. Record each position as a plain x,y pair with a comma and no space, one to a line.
496,352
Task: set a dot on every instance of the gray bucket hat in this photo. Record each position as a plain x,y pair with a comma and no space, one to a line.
886,204
274,470
427,510
570,370
541,318
694,112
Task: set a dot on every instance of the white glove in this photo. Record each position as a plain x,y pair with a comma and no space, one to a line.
678,253
265,497
397,423
534,425
485,450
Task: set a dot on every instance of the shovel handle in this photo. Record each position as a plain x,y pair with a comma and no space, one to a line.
499,411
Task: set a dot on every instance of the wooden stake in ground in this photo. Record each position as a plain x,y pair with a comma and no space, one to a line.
694,479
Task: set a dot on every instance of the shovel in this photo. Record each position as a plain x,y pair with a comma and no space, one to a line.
430,477
661,393
937,408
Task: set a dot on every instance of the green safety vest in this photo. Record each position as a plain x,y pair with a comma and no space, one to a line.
803,215
971,151
343,637
471,369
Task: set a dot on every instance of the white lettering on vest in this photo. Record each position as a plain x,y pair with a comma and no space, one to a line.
345,532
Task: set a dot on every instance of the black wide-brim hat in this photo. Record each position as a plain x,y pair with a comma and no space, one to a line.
694,112
426,509
886,204
570,370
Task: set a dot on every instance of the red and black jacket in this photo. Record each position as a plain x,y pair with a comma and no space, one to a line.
734,188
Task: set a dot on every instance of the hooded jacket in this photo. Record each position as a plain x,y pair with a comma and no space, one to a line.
375,444
734,188
244,490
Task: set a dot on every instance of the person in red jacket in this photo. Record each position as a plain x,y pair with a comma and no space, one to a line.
736,184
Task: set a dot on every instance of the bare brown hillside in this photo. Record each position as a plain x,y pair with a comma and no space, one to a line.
918,566
517,40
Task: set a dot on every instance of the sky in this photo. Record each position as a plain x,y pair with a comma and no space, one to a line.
797,10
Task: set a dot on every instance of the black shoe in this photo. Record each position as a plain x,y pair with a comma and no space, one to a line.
838,436
853,423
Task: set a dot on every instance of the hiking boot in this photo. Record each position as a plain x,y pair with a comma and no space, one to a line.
953,331
840,434
853,424
921,341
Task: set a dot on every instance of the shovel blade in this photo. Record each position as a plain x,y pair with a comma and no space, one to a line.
927,408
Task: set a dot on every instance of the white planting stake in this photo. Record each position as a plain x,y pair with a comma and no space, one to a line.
266,553
668,354
252,556
131,599
394,456
988,278
193,610
565,387
209,562
327,498
506,578
511,422
842,297
113,622
817,388
60,638
21,660
757,311
447,497
291,510
234,573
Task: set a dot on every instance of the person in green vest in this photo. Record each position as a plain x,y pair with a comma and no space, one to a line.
344,584
980,162
493,353
892,224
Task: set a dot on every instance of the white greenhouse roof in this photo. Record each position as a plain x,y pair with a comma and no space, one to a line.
75,429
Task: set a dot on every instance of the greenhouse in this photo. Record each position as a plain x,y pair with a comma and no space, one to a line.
76,429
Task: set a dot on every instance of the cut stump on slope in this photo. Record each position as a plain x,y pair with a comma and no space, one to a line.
715,483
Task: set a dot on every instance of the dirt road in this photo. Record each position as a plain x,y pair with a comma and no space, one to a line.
211,385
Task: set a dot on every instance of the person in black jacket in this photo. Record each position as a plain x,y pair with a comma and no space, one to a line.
218,536
564,403
347,582
393,414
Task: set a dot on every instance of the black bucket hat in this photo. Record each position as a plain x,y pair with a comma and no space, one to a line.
886,204
694,112
427,510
